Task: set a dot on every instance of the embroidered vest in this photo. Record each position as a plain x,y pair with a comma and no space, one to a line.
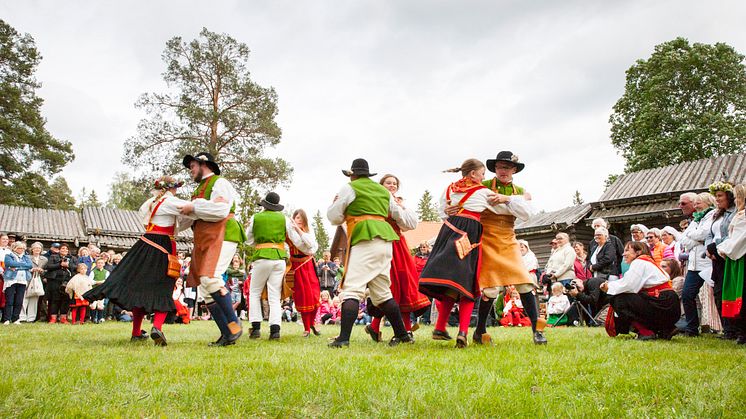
269,227
370,199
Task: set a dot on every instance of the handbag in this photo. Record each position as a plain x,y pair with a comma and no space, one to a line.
35,286
463,245
173,270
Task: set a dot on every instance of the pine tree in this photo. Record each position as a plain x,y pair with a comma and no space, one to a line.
426,209
577,199
322,237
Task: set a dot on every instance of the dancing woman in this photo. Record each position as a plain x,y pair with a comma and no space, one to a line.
140,283
306,291
451,272
404,277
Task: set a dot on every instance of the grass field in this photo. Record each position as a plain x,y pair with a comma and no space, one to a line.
94,371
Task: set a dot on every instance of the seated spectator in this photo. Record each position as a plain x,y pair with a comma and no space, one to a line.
673,268
325,308
582,270
643,300
529,258
589,294
76,287
363,317
653,238
670,238
336,310
420,258
513,313
288,310
184,316
558,305
603,261
561,264
17,275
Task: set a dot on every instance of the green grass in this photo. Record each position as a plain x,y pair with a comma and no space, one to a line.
94,371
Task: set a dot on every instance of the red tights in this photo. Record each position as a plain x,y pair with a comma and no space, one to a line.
465,307
78,313
308,319
375,324
138,314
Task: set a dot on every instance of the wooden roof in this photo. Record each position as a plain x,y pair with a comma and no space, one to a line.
42,224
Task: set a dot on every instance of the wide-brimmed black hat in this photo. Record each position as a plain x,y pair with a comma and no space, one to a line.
202,157
359,168
272,202
507,157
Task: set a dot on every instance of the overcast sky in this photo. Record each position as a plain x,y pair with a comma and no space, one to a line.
413,86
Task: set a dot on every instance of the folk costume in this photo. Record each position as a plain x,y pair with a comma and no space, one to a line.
267,232
404,278
306,290
643,300
76,287
364,206
502,262
733,249
140,283
448,276
216,237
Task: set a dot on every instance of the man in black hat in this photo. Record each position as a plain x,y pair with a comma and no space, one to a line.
364,205
267,232
216,237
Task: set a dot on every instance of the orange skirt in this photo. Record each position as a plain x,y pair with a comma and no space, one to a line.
502,263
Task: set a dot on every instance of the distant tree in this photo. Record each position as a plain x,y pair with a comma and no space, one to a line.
212,105
60,195
29,154
610,180
426,209
128,193
577,199
685,102
93,200
322,237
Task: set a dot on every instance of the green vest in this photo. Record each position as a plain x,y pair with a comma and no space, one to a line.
509,189
370,199
269,227
234,231
99,275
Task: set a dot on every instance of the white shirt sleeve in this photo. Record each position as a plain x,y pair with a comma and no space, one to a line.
305,242
639,274
520,208
250,232
405,218
734,247
442,205
211,211
336,212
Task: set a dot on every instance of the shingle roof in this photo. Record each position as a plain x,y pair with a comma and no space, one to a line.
678,178
669,208
39,223
560,218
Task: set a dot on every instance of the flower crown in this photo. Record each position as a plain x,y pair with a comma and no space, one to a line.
160,184
721,186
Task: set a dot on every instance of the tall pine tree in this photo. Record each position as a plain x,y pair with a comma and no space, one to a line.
426,209
322,237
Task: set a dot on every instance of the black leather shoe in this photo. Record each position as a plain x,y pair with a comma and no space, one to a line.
728,336
255,333
539,338
372,333
274,332
667,335
396,341
315,332
461,341
687,333
232,338
158,337
441,335
140,338
221,342
339,343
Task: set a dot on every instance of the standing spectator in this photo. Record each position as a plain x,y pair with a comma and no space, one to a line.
721,219
670,238
561,264
615,241
17,275
4,250
733,249
59,271
582,270
107,261
84,257
327,273
340,274
529,258
603,259
699,267
420,257
31,302
638,232
653,240
236,274
98,276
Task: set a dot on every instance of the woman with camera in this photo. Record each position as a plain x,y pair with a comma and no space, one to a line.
643,300
60,268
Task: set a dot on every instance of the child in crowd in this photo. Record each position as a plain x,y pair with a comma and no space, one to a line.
325,308
84,256
181,309
76,287
557,306
362,314
288,310
513,314
336,310
98,275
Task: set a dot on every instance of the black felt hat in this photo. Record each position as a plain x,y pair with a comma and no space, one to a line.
359,168
202,157
272,202
507,157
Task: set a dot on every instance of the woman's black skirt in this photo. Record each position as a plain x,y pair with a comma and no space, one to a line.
445,275
140,279
658,314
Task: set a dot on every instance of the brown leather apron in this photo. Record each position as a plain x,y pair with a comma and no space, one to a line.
208,242
502,263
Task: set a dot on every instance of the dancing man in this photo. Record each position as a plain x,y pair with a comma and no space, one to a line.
216,237
364,205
